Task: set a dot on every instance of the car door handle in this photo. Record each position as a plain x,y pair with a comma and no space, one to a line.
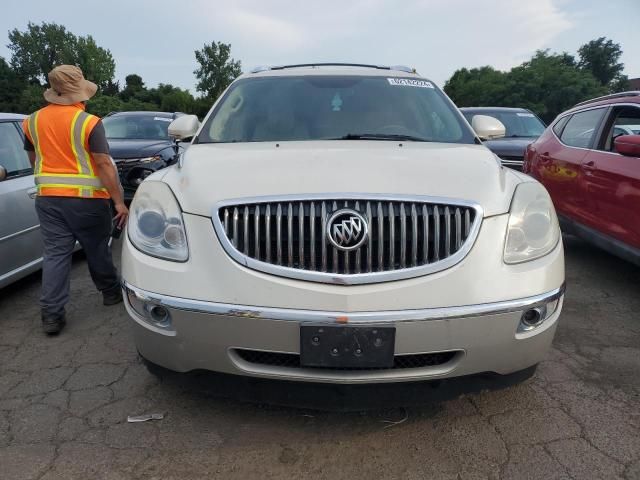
32,192
589,165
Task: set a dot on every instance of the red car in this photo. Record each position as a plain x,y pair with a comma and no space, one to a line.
589,161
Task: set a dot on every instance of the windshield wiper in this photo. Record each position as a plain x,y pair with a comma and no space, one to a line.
381,136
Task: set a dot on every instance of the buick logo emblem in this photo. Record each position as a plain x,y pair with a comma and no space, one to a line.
347,229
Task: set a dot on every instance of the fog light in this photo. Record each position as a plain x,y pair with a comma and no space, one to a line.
152,313
159,314
533,317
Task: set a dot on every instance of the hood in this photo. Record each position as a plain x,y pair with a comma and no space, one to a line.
216,172
514,147
136,148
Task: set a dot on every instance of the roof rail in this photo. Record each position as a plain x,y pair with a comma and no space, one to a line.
265,68
632,93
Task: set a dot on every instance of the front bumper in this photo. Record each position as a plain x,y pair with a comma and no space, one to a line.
213,336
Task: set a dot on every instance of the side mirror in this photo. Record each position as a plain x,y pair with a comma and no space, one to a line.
3,173
184,127
628,145
488,128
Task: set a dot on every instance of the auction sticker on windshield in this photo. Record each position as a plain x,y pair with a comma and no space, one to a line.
408,82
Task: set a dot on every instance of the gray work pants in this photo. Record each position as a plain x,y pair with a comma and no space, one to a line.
63,220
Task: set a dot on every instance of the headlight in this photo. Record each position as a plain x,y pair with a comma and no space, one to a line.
533,229
155,224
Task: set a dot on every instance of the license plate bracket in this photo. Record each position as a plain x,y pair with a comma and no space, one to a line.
347,346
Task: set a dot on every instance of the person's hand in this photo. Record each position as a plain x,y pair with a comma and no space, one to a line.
122,213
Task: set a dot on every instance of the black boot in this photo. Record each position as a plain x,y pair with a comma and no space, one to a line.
112,296
53,324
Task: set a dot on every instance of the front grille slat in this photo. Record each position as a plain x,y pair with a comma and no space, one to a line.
414,235
267,237
368,243
279,234
323,233
403,234
436,233
458,229
301,237
312,233
290,235
245,236
256,232
335,250
392,237
235,227
380,238
358,253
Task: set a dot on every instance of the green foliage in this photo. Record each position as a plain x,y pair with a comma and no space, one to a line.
11,87
36,51
96,63
547,84
217,69
31,99
601,58
100,105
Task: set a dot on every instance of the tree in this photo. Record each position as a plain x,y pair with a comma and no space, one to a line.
217,69
96,63
11,87
548,84
37,50
601,58
478,86
40,48
133,85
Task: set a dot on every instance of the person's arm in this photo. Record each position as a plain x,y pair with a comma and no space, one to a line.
32,158
109,178
107,172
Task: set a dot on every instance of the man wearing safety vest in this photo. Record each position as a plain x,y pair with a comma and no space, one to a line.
75,179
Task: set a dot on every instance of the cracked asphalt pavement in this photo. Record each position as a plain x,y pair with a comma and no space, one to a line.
64,403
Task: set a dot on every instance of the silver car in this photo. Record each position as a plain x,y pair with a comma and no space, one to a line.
20,238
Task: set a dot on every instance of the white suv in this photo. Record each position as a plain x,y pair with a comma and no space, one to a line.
341,223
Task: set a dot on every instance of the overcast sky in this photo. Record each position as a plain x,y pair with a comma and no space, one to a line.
156,38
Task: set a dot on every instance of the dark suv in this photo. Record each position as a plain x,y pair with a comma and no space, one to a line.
522,127
139,143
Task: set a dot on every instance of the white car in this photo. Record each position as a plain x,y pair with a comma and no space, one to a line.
341,223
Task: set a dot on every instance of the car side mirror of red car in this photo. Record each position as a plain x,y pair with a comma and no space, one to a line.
628,145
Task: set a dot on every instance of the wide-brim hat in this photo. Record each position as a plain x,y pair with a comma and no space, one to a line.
68,86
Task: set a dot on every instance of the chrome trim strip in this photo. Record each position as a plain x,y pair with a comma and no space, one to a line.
21,232
351,279
386,316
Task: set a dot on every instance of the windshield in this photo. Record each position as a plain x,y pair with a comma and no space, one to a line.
345,107
517,124
132,127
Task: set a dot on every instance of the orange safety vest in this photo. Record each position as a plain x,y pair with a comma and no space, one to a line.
64,165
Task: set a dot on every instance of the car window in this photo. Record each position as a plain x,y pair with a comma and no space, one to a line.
13,157
132,127
559,125
581,128
330,107
624,120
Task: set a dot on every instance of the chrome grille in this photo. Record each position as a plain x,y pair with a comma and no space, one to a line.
407,237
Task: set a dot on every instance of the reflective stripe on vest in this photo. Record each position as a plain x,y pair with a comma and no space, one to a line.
33,130
79,181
